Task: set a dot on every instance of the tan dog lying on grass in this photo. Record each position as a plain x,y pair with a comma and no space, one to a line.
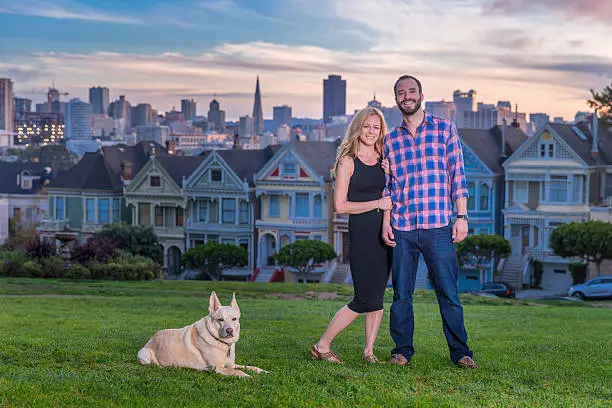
208,344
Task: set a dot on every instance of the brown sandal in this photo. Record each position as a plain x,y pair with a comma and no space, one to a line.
372,359
330,356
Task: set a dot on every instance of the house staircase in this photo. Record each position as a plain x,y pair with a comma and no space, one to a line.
512,271
339,276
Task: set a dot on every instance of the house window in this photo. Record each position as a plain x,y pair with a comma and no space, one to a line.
245,244
230,241
558,189
274,206
212,238
104,210
229,211
547,149
483,231
471,201
59,208
202,210
318,237
608,185
318,206
27,184
244,212
215,176
214,212
90,210
484,197
520,191
159,216
301,205
180,216
289,170
115,209
144,214
301,237
155,181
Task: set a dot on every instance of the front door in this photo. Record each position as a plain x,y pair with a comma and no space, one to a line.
524,238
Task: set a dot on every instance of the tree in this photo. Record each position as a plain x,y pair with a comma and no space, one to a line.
303,255
134,239
602,102
480,250
213,258
591,241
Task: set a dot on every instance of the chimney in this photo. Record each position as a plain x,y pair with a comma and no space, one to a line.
503,137
594,131
126,172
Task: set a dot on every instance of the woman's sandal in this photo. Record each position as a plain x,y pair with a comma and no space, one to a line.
330,356
372,359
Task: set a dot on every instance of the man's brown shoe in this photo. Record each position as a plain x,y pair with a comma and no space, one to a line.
398,359
467,362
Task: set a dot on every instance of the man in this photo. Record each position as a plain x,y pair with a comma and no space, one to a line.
426,176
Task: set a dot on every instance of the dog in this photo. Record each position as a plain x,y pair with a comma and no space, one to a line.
206,345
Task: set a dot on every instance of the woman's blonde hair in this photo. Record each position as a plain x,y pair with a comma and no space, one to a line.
350,143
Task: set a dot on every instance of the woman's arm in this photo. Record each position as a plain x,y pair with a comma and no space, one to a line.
341,203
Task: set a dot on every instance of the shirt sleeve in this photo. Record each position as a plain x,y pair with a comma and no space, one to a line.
454,157
386,150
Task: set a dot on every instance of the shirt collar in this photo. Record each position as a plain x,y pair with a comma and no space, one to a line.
427,118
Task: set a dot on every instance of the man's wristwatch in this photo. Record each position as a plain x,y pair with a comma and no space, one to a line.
462,217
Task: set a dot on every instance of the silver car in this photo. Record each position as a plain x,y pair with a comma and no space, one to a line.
595,288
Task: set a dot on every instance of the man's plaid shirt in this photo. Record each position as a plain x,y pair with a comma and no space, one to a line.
427,174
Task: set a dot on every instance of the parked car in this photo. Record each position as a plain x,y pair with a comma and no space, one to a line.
596,288
500,289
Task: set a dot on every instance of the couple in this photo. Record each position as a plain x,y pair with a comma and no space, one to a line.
410,213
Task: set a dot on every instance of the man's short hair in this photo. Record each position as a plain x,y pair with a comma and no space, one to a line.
407,77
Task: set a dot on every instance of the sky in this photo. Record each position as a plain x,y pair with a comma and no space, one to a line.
543,55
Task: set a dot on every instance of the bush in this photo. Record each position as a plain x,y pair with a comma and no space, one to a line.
76,271
52,267
31,269
95,249
11,263
579,272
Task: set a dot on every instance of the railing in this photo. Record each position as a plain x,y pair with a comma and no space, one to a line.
539,254
53,225
308,221
525,261
330,272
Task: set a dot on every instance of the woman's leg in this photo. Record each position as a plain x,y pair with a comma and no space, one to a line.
343,318
372,323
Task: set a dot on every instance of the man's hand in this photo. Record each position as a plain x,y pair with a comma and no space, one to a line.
387,233
460,230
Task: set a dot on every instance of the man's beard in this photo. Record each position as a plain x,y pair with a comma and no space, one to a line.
410,112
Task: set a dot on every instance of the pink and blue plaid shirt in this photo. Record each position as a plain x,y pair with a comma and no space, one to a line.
427,174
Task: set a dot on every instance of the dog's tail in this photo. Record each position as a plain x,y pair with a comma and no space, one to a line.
146,356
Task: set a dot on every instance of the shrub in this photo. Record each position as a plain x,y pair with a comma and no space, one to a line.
52,267
31,269
76,271
579,272
538,270
11,262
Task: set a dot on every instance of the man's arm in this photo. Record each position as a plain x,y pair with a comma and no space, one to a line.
386,150
459,192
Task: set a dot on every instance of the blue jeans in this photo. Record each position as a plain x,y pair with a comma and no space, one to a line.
440,255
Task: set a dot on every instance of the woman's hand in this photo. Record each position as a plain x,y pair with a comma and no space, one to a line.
385,203
385,166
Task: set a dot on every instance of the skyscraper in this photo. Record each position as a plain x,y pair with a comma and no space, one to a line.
216,117
7,111
98,98
258,121
464,102
78,120
142,115
282,116
22,107
188,107
334,97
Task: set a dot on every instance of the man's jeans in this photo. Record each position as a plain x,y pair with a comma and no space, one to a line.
440,255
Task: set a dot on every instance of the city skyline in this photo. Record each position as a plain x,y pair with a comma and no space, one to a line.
160,53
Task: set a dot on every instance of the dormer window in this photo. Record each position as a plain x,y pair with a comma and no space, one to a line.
289,170
27,184
216,176
155,181
547,149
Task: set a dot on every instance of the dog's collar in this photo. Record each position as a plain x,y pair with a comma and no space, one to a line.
229,346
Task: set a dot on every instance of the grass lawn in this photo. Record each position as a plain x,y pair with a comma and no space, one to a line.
68,343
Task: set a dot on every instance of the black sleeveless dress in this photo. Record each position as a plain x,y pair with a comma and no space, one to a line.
369,256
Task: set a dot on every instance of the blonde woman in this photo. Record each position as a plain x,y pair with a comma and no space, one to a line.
360,181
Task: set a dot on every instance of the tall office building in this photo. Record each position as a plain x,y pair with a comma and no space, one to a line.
334,97
258,120
99,100
216,117
7,107
78,120
142,115
188,107
247,127
281,116
120,109
464,102
23,106
442,109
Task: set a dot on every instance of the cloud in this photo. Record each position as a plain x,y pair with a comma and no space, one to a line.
64,10
231,8
595,10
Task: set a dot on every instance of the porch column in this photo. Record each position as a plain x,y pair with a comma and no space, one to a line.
237,211
507,194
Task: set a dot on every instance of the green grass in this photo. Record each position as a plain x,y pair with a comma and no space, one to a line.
74,344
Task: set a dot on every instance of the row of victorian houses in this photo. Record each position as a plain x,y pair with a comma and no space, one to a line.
520,188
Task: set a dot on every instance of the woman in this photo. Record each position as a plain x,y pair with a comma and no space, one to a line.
360,181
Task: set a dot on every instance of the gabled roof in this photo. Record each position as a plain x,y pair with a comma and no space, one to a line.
583,147
486,144
246,163
319,155
101,171
180,166
8,177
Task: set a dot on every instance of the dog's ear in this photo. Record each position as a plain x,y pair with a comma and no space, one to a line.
213,303
234,304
